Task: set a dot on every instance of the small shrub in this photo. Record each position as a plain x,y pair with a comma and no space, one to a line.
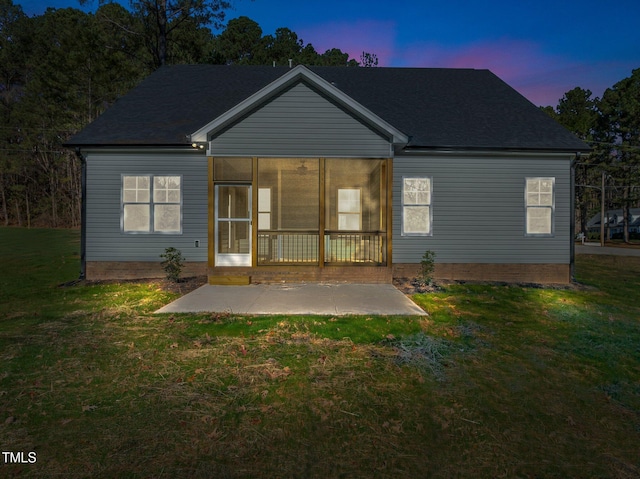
426,267
172,264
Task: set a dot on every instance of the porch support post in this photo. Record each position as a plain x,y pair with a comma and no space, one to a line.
321,225
254,212
389,206
211,213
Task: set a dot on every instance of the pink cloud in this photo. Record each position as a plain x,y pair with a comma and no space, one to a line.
541,77
372,36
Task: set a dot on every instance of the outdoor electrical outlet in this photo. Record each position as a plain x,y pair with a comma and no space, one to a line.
197,243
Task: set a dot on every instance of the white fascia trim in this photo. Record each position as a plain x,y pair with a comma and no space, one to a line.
559,155
295,74
185,150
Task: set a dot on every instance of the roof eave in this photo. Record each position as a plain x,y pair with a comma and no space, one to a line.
450,149
129,145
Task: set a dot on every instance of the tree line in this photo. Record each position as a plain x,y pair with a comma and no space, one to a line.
62,69
611,126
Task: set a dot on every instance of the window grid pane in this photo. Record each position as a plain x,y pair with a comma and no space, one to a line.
539,221
416,220
166,189
417,191
166,218
136,217
136,189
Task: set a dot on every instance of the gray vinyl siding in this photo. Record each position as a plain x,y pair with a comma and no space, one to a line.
478,210
105,239
300,122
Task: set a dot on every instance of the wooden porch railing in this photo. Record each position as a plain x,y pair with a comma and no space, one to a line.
355,247
288,247
303,247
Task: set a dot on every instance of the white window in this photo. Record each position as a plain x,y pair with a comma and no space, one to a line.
264,208
151,204
539,206
349,209
416,206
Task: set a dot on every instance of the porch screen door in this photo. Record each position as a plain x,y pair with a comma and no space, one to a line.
233,225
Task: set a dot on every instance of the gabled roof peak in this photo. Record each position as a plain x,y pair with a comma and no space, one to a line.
299,73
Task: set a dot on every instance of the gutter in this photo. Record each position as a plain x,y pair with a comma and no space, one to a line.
83,216
489,151
572,220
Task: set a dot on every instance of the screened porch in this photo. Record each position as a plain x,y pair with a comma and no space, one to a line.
313,211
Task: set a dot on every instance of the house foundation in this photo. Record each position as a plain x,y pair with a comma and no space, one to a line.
508,273
130,270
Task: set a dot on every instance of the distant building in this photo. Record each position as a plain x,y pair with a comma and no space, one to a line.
614,222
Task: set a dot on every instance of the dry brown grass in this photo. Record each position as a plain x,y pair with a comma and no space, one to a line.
535,383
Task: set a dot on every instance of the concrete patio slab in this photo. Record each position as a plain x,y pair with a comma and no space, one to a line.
334,299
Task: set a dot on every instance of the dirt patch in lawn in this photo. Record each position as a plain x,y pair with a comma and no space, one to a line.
411,286
182,287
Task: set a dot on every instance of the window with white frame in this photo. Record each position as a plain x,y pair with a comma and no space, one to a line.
539,206
264,208
349,209
151,204
416,206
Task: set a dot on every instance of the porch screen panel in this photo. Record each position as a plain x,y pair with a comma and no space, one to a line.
232,169
343,178
355,211
294,192
288,208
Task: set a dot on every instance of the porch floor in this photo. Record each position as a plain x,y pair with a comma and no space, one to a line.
336,299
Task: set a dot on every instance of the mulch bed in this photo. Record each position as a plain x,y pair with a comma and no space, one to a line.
411,286
184,285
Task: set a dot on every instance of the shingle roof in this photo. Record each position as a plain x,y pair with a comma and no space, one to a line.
436,108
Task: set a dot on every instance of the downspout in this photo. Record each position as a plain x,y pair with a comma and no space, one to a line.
83,215
572,222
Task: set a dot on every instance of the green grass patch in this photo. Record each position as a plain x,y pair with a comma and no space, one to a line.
498,380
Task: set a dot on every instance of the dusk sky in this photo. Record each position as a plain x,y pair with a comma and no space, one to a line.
542,48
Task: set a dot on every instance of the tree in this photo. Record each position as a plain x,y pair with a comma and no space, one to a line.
337,58
620,137
283,46
14,45
368,59
163,18
163,23
578,112
240,42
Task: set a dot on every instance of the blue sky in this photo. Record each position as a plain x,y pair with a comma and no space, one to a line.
542,48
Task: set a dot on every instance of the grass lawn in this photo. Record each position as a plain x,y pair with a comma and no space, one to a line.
499,380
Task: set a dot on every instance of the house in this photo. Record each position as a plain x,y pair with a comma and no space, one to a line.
614,222
325,173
